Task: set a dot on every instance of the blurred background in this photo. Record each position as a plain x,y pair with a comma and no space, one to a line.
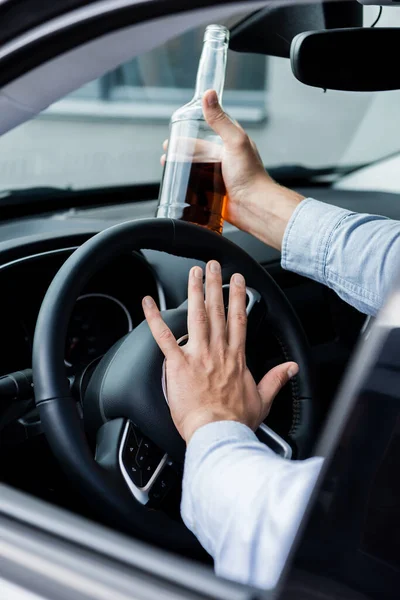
110,132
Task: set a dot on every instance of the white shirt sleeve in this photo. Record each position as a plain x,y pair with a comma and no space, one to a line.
243,502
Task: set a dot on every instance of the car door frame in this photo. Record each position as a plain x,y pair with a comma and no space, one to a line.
55,554
46,550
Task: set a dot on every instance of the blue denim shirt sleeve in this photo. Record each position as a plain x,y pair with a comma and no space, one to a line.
357,255
243,502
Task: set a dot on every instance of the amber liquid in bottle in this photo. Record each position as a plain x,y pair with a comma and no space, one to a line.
203,193
192,187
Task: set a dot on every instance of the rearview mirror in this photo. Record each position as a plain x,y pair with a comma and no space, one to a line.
270,30
354,60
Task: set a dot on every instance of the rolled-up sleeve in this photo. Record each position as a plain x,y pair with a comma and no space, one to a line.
357,255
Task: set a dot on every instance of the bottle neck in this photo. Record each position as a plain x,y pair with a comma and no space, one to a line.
212,66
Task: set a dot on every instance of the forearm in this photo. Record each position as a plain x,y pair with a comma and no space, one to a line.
354,254
357,255
266,212
243,502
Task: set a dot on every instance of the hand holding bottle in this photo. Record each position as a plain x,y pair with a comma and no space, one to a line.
256,203
192,188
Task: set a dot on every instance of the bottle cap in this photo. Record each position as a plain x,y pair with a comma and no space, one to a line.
216,33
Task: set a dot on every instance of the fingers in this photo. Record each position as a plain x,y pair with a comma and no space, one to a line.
164,156
237,317
191,149
215,303
274,381
230,132
197,315
161,332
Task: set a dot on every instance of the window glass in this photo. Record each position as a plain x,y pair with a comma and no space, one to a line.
110,132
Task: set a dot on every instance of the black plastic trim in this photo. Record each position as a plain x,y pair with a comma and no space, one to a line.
51,201
56,43
19,16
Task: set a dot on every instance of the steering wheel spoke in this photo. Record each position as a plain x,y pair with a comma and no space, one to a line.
124,388
253,299
270,438
146,469
79,379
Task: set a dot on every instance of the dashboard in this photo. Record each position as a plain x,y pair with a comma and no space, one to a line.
32,249
108,309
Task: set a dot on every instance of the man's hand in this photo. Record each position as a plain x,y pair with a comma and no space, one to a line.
208,379
256,203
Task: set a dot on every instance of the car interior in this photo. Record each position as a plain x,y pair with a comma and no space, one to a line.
83,422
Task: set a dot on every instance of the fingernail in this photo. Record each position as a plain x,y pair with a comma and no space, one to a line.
239,280
149,302
212,98
215,267
197,272
292,371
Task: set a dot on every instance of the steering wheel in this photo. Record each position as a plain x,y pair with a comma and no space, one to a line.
125,453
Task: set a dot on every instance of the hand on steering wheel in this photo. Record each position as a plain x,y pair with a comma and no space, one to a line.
208,378
124,396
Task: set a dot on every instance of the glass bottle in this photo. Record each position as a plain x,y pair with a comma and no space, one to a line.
192,188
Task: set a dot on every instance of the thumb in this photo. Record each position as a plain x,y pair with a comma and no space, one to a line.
219,121
271,384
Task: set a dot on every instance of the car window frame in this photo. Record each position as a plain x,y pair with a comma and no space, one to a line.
44,545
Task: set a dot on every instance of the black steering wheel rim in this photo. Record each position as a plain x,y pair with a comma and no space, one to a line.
61,422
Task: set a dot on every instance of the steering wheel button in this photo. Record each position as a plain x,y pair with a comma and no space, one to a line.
150,450
131,449
136,475
163,485
148,453
144,449
149,468
141,457
111,392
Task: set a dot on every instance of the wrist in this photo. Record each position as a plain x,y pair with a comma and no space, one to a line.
196,421
281,204
266,211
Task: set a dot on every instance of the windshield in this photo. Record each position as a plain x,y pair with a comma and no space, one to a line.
110,132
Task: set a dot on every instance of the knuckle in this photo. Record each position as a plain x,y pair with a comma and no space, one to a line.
200,316
241,317
219,310
220,352
243,141
240,359
165,334
204,357
218,116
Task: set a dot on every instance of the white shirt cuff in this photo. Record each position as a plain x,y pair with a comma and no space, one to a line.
206,440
